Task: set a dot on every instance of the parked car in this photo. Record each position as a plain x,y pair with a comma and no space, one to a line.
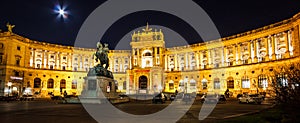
252,98
172,97
159,98
213,98
26,98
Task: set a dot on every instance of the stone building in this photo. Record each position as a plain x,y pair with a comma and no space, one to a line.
241,63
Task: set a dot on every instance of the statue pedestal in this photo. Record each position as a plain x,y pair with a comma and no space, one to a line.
98,89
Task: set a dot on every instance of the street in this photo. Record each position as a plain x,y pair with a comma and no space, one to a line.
49,111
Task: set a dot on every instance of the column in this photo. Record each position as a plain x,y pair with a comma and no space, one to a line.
255,50
130,59
287,45
234,53
175,62
239,53
69,57
295,41
112,64
249,53
33,61
266,41
43,59
273,47
208,58
225,58
186,61
155,55
166,64
222,56
197,59
200,59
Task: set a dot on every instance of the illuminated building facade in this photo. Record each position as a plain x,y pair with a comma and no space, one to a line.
240,63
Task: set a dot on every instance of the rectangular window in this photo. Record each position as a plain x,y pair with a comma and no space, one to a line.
204,85
64,67
74,85
18,48
18,62
230,84
245,83
217,85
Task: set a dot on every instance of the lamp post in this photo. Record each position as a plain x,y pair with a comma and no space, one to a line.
9,85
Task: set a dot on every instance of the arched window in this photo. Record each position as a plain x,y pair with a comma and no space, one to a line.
217,83
37,83
230,82
50,83
262,81
63,84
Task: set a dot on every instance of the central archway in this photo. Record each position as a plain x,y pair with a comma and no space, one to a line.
143,82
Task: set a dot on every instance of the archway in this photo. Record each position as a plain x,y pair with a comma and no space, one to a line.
143,81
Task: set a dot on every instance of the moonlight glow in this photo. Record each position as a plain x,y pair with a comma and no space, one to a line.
61,11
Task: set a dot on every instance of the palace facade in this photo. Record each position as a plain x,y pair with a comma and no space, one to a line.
240,63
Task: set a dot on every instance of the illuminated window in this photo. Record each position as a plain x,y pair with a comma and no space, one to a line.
217,83
50,83
63,83
74,84
245,82
262,81
230,82
282,80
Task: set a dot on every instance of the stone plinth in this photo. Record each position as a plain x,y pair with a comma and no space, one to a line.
97,89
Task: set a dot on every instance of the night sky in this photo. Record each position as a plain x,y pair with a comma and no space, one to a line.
36,20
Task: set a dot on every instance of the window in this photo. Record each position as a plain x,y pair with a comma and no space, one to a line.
18,48
75,68
50,83
52,56
51,67
64,67
171,85
74,84
217,83
64,58
193,84
38,65
18,59
124,85
262,81
245,82
63,84
17,73
281,80
204,84
37,83
230,82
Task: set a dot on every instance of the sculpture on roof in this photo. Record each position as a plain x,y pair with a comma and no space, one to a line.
10,27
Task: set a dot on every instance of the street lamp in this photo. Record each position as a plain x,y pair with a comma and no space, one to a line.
9,85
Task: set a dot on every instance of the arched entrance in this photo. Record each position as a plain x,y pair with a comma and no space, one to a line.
143,81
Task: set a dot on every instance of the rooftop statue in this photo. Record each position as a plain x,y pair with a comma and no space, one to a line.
102,56
10,27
